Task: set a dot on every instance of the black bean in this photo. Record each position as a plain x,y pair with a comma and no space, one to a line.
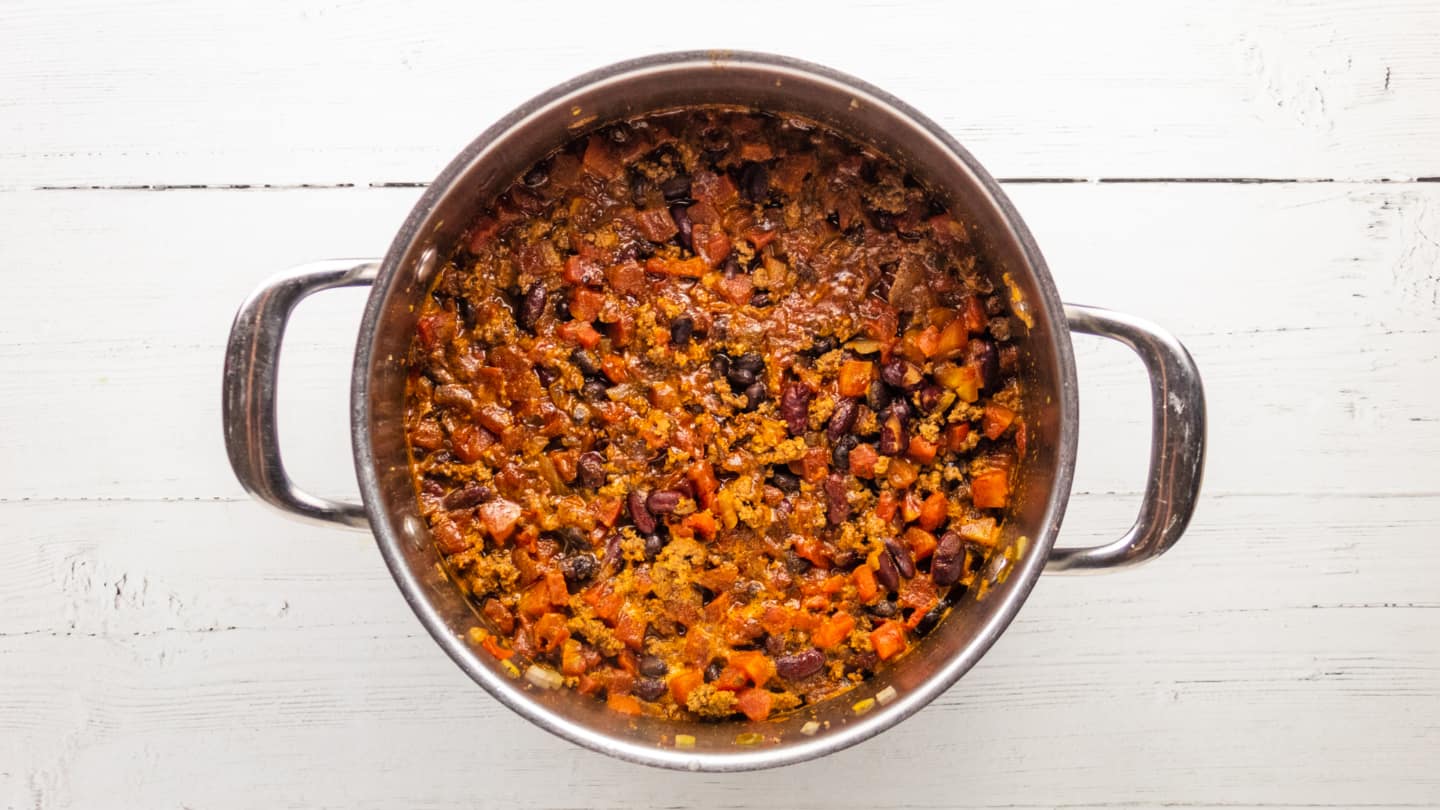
594,390
546,375
902,374
573,538
468,496
795,407
884,609
654,544
904,563
533,306
929,620
538,175
843,419
774,645
785,481
731,266
824,345
755,394
878,396
838,505
681,330
591,468
586,362
886,573
579,568
713,670
740,377
715,141
949,561
894,438
929,397
467,312
751,361
681,215
653,666
676,188
620,133
639,189
800,665
994,305
663,501
760,299
1000,328
720,365
796,563
639,514
840,451
649,688
981,354
755,182
845,558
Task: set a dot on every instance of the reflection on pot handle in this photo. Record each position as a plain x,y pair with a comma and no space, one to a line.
1177,443
252,358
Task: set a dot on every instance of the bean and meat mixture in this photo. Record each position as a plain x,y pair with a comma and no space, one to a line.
714,413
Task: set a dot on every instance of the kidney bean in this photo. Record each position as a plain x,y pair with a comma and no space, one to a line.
795,407
533,306
949,561
639,514
904,563
676,188
893,436
681,330
579,568
785,481
981,354
455,396
681,215
591,468
843,419
884,609
649,688
800,665
663,502
755,394
840,451
466,497
885,571
878,396
929,397
902,374
612,552
838,510
652,666
844,558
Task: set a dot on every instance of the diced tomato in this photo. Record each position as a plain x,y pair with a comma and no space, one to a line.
732,679
580,332
624,704
755,704
656,224
606,510
711,244
835,630
922,450
736,289
813,550
630,629
863,460
500,615
555,586
956,434
581,269
813,466
626,277
535,600
614,367
901,473
888,640
887,505
990,489
922,543
499,518
437,328
776,620
865,585
702,523
550,632
997,420
702,476
934,511
585,304
854,377
683,683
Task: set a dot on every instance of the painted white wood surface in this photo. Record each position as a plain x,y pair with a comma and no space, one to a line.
165,642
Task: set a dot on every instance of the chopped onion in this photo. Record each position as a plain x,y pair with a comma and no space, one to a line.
886,695
544,678
810,728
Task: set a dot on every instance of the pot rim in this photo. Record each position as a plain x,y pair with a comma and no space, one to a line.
508,692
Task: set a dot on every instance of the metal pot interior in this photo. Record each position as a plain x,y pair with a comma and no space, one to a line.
626,90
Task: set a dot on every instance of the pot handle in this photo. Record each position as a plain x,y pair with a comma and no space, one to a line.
1177,443
252,358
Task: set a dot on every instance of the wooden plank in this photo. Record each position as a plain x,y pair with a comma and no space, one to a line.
172,92
211,654
1311,310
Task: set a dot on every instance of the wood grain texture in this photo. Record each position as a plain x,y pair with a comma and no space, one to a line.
166,642
174,92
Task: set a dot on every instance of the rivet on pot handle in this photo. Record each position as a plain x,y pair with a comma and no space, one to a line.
252,358
1177,443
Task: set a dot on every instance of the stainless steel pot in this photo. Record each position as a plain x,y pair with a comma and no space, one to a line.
486,166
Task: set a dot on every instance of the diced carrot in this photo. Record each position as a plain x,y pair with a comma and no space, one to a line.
862,461
991,489
493,647
922,450
585,304
702,523
555,587
683,683
757,666
854,377
711,244
614,367
888,640
499,518
887,505
865,584
550,632
606,509
582,270
572,663
922,543
997,420
934,511
835,630
776,620
535,600
732,679
813,466
901,473
817,602
702,475
956,434
755,704
630,629
580,332
813,550
624,704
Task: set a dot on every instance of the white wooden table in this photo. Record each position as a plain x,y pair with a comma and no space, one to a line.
1260,179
